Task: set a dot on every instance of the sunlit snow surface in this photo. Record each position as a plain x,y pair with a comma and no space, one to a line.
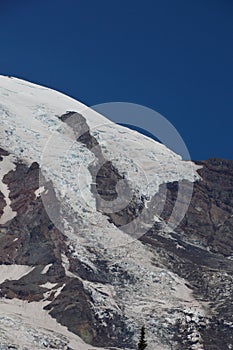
32,131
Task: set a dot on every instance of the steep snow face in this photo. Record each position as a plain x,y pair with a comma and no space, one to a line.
29,115
32,131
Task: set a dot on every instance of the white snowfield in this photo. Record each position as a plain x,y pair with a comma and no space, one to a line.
31,130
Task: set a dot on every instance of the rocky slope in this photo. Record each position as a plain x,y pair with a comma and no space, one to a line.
100,267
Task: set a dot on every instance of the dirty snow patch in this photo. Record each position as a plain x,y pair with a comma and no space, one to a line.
46,269
6,165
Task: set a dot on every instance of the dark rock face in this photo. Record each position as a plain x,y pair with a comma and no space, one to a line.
71,309
200,251
3,153
36,244
2,203
210,213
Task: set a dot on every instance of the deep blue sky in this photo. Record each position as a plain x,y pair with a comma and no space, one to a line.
175,56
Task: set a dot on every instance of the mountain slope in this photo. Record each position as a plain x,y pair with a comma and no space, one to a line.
100,260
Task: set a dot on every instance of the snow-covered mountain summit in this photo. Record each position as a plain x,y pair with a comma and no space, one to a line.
84,208
29,114
33,131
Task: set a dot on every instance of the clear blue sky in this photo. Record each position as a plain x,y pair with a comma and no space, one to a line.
175,56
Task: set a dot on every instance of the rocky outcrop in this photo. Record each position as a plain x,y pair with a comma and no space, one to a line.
200,250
